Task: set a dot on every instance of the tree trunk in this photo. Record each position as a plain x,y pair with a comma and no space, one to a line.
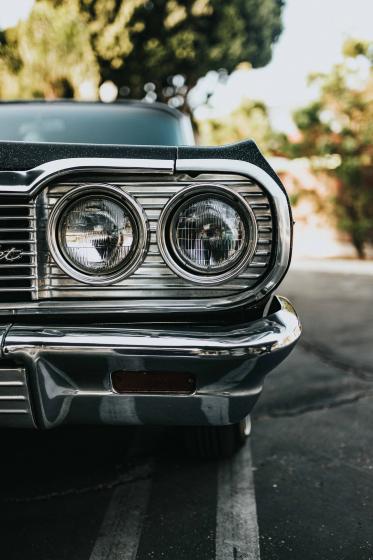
359,246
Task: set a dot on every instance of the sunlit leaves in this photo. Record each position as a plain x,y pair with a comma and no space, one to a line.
53,54
132,43
157,39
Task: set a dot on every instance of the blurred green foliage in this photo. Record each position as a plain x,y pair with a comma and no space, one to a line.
249,120
134,42
341,122
141,41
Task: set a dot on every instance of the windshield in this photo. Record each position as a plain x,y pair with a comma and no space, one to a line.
90,123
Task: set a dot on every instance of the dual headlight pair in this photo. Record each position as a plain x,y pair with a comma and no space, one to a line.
99,234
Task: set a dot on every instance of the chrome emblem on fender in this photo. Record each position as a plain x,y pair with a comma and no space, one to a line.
11,255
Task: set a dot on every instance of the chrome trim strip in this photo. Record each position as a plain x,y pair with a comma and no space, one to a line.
18,205
29,218
20,229
257,338
34,179
18,265
13,411
20,277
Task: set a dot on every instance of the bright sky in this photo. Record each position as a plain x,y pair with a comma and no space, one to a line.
13,10
311,41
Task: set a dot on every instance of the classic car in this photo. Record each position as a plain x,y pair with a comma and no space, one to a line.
137,272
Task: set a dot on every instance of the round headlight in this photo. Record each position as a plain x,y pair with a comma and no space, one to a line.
208,234
98,237
207,237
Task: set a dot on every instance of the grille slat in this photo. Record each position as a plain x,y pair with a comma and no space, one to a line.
18,265
17,241
8,206
260,206
18,277
17,229
21,289
257,265
29,218
15,406
17,250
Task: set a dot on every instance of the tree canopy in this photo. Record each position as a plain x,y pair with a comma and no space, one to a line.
340,122
48,55
139,42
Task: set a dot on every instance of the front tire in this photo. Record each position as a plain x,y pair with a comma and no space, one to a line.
217,442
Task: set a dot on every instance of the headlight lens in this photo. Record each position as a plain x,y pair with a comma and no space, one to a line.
209,234
97,234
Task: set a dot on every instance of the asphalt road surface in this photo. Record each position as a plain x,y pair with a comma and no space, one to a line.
312,439
95,494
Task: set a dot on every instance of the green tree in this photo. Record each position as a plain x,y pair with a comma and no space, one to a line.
249,120
151,41
48,55
341,122
164,45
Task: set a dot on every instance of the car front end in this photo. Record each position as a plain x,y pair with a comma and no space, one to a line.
140,290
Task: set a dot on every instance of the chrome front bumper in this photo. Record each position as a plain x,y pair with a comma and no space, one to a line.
64,373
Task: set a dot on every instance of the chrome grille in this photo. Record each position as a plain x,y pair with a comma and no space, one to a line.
15,409
154,279
17,250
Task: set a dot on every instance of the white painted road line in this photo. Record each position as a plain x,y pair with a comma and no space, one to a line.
237,535
120,531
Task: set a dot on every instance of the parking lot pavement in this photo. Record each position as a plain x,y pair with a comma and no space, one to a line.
312,430
122,494
94,494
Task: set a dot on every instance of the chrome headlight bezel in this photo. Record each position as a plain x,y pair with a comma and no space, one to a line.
168,248
138,218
